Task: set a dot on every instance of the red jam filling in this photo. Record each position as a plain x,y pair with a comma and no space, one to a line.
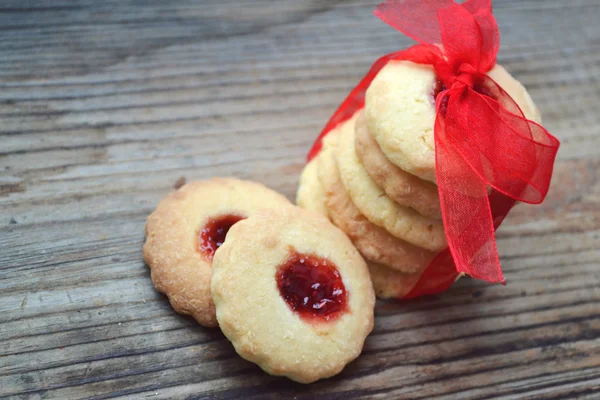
213,234
438,88
312,287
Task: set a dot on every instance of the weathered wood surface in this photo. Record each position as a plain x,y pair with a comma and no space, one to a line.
104,105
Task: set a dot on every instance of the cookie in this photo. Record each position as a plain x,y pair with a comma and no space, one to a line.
311,194
375,243
391,284
293,294
400,113
400,221
400,186
187,227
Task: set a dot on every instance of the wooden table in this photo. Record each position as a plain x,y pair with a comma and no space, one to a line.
104,106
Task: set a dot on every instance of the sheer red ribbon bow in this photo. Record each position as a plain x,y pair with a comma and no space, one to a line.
482,138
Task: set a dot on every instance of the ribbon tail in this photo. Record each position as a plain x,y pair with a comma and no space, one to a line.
437,277
466,212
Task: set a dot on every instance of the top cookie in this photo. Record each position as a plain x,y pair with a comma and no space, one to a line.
293,294
400,112
185,230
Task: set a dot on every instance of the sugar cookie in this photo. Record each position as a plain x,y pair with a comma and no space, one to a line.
293,294
187,227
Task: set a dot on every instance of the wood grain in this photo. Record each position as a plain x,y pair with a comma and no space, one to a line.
106,105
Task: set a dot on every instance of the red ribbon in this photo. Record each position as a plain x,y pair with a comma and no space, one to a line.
482,138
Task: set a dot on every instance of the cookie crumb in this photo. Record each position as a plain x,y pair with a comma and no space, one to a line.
179,182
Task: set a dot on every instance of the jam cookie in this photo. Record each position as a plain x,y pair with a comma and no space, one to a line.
400,186
400,112
391,284
402,222
375,243
293,294
186,229
311,194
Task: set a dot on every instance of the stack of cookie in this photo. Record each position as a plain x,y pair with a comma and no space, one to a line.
375,175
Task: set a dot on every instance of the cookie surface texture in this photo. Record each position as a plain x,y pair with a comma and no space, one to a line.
186,228
400,112
400,221
293,294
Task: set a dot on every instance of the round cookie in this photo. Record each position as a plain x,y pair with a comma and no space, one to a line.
400,186
330,143
311,194
187,227
402,222
375,243
400,113
391,284
293,294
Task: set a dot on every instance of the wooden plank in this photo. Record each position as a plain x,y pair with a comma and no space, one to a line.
106,104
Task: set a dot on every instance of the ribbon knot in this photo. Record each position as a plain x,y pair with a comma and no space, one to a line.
466,75
465,79
482,138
